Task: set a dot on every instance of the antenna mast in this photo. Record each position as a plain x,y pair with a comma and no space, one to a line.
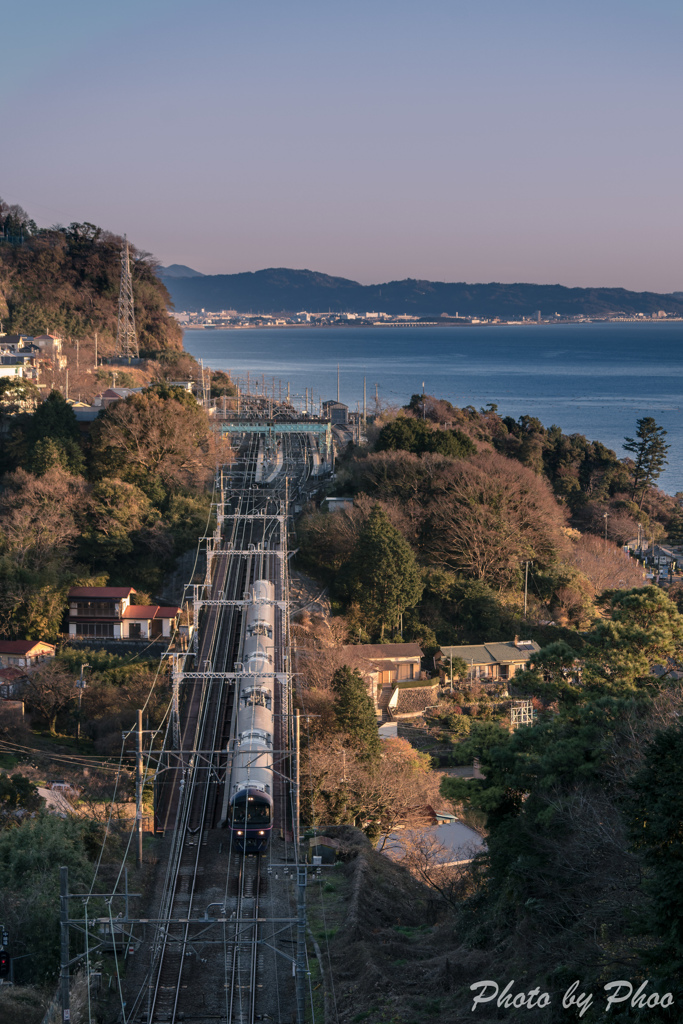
126,338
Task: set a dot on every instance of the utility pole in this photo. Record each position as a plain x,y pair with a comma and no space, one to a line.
306,400
95,349
295,773
301,943
138,794
605,515
80,683
526,586
64,935
365,405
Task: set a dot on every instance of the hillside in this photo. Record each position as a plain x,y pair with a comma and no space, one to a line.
66,281
280,289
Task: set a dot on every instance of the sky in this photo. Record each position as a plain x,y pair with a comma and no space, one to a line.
454,140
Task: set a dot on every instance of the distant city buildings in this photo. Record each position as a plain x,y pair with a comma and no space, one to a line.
230,318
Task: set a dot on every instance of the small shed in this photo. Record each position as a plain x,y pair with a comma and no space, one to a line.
323,847
336,412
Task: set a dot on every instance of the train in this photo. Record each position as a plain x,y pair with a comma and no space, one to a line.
249,787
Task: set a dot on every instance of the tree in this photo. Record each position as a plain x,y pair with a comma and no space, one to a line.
354,712
415,435
55,453
18,793
656,825
649,449
605,564
115,512
50,691
17,395
160,436
382,573
38,535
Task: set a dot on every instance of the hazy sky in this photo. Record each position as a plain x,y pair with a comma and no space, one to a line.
477,140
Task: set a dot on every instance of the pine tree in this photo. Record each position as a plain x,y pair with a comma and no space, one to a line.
355,712
656,832
649,449
383,575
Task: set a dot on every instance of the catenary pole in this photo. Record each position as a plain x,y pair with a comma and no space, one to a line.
138,795
64,936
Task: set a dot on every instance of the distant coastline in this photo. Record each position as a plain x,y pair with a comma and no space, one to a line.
429,323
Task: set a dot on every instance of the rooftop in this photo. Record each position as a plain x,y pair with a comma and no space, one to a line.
150,611
113,593
22,646
383,652
495,653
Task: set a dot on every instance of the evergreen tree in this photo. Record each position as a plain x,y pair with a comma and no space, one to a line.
649,449
355,712
657,832
383,575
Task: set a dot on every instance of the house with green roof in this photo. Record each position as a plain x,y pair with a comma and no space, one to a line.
494,662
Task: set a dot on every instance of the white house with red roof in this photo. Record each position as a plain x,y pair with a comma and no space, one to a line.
24,653
107,612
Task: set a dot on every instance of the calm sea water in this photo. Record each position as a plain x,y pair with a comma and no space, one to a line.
592,379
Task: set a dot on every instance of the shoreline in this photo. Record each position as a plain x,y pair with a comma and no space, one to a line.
431,323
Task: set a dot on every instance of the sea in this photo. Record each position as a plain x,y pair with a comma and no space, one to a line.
595,379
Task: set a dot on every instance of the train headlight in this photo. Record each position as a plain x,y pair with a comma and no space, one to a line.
262,833
240,833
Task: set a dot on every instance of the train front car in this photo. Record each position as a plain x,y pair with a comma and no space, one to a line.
250,807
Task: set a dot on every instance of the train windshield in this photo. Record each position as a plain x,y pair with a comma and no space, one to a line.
257,812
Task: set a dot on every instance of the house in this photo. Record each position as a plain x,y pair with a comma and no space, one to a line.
148,622
107,612
335,412
336,504
112,395
322,850
12,682
24,653
661,556
51,348
383,666
490,662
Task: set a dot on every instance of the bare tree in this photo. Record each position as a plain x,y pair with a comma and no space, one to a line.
605,565
50,690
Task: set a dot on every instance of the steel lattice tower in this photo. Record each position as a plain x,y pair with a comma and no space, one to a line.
126,337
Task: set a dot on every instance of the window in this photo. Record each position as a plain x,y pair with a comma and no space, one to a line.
96,609
96,629
257,811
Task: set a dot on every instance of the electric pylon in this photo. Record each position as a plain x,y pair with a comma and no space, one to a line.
126,338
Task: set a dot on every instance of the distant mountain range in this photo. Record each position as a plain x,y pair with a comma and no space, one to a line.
279,290
179,270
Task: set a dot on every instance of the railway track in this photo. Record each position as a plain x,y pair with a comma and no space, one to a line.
201,872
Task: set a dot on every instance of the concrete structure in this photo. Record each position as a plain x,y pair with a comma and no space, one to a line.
491,662
408,700
107,612
24,653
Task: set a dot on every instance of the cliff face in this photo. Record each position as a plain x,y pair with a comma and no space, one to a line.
281,289
66,281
